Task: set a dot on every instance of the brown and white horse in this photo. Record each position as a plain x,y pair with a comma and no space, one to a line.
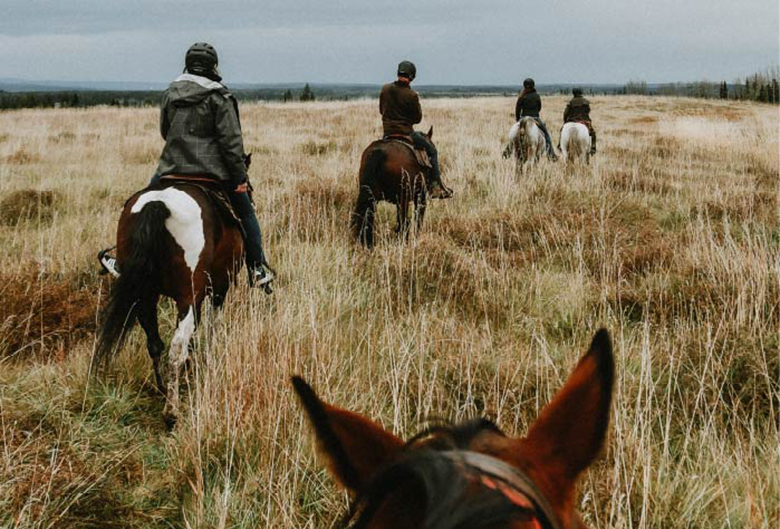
527,143
471,474
171,241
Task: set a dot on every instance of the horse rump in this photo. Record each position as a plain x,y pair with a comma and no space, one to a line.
365,205
139,279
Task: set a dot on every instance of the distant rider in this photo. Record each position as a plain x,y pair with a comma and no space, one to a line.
200,124
400,109
578,110
529,104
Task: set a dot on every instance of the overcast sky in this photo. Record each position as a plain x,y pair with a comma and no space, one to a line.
361,41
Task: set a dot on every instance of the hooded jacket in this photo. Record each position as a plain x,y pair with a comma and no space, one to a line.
200,125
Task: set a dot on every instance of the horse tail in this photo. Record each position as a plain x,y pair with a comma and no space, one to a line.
138,282
363,216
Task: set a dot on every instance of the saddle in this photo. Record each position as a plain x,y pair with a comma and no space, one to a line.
211,188
420,155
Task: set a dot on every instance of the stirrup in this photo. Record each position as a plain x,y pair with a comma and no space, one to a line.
261,278
108,263
438,190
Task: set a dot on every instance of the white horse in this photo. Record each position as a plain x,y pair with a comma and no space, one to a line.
527,142
575,142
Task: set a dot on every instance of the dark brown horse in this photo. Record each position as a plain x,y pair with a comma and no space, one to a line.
389,170
171,241
471,475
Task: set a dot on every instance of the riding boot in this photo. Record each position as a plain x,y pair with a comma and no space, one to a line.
592,141
436,188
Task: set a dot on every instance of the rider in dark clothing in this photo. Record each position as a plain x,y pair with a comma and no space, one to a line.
530,104
578,110
400,109
202,131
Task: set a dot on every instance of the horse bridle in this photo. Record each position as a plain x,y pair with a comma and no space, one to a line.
514,484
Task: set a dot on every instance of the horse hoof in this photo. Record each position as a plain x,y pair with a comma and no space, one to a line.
170,421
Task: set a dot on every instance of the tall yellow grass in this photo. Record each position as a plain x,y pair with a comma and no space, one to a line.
669,239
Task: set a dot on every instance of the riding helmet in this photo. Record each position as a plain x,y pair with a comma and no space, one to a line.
529,83
576,92
201,58
407,69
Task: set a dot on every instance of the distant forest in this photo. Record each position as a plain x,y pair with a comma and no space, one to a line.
762,87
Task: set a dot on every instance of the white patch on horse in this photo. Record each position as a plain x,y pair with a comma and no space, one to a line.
185,223
513,132
181,339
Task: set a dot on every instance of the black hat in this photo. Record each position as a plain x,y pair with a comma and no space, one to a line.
529,83
407,69
201,58
576,91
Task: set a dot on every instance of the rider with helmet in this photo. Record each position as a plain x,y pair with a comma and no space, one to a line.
202,131
530,104
578,110
400,109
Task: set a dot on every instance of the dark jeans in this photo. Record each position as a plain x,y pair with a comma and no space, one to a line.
245,211
547,137
421,142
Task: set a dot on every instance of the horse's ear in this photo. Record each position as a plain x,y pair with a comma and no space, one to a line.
354,446
570,431
430,132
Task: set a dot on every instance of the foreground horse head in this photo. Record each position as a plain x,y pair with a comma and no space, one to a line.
526,141
389,170
575,142
171,242
471,475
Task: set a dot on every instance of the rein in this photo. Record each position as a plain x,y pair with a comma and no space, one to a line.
514,484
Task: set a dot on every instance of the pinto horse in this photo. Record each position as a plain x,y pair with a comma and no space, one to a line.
171,241
472,474
389,170
575,142
527,143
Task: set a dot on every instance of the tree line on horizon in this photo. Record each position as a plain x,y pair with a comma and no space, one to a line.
762,87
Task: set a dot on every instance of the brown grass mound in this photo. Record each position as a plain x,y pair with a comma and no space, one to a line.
43,315
28,204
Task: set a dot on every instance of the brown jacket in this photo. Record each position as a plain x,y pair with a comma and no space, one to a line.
578,109
400,108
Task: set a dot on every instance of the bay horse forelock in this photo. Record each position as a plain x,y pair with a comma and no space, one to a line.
170,242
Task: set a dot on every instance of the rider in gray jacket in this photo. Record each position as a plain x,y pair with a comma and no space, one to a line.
200,124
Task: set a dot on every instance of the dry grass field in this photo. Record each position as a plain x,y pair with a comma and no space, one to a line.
670,239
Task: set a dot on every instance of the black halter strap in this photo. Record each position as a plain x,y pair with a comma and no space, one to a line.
483,465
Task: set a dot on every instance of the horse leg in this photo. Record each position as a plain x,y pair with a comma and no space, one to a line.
147,317
177,356
402,215
420,205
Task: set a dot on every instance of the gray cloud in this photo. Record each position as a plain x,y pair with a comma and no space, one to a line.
458,41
